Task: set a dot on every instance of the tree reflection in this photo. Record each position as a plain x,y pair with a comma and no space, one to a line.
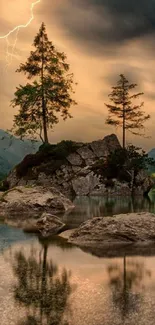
41,288
124,282
89,207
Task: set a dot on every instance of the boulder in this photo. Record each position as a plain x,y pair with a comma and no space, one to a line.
120,229
87,154
75,159
66,173
144,183
12,179
76,169
32,202
102,148
83,185
49,224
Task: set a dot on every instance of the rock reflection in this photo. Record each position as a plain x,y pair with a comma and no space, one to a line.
126,283
41,288
89,207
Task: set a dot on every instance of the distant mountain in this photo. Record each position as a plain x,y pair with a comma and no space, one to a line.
151,154
13,150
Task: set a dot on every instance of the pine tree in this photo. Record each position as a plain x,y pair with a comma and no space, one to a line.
123,112
48,94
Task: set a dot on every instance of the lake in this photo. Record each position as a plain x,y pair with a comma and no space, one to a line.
51,282
89,207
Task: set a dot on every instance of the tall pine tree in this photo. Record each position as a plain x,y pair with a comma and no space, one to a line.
48,94
122,112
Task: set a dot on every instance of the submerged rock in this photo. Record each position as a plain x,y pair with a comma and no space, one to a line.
32,202
49,224
120,229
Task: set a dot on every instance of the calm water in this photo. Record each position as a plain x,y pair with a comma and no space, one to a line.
50,282
87,207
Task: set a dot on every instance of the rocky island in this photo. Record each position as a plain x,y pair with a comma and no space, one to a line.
40,188
78,169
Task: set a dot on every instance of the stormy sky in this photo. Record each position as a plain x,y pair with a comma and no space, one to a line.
102,39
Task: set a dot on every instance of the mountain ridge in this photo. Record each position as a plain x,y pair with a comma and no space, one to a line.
13,150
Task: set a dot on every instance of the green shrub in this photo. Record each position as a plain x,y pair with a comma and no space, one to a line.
63,149
4,185
109,183
28,162
50,167
2,176
123,164
54,153
47,147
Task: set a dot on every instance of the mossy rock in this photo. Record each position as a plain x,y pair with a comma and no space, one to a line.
53,153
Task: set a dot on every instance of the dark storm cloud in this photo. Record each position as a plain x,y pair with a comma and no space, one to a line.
132,73
108,21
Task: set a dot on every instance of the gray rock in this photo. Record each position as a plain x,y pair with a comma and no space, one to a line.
67,173
118,189
75,159
99,190
87,154
102,148
144,183
85,185
12,178
33,201
76,169
43,180
84,171
49,224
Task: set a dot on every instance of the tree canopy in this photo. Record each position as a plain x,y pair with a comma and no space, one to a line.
42,101
124,164
122,111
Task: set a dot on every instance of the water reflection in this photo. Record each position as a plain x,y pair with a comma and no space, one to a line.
41,288
89,207
127,285
38,289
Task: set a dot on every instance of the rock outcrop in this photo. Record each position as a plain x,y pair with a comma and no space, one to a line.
73,173
32,202
144,183
121,229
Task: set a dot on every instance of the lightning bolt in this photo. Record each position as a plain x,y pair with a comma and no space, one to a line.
11,54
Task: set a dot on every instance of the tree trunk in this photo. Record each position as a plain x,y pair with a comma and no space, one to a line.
124,116
43,99
124,288
123,130
43,283
123,124
132,181
44,119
